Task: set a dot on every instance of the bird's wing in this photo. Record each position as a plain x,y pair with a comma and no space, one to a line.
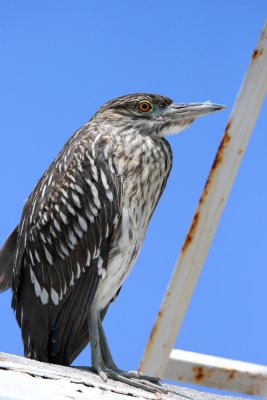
67,223
7,255
8,250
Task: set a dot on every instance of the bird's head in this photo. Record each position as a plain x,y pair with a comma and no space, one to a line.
152,114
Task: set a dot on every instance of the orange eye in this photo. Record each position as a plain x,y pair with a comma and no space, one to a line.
144,106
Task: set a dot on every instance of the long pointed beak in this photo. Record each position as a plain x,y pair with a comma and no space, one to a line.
192,110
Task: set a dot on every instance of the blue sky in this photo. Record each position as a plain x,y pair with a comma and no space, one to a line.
60,60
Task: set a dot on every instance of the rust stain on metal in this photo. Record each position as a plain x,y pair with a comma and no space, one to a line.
154,330
219,156
152,334
191,232
257,53
256,387
217,161
199,373
232,373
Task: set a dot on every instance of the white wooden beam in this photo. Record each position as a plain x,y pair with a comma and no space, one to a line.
222,373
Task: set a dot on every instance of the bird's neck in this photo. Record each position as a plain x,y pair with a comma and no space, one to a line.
144,163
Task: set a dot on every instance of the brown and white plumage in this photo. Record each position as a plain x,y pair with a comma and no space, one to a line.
84,223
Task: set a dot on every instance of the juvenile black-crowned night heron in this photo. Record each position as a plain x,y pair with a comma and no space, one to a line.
83,226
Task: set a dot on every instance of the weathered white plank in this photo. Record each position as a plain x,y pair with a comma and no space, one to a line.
218,372
208,213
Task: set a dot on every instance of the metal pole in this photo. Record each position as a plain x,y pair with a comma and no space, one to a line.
209,210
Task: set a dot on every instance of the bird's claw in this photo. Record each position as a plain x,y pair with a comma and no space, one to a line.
139,375
132,378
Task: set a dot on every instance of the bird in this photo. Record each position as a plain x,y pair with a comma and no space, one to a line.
83,226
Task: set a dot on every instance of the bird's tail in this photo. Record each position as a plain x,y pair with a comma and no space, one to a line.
7,255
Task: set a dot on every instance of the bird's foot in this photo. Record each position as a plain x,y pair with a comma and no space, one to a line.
138,375
103,363
132,378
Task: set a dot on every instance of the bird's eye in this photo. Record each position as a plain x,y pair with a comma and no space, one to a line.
144,106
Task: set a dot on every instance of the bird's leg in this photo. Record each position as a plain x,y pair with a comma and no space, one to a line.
108,359
96,355
133,378
106,353
102,361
